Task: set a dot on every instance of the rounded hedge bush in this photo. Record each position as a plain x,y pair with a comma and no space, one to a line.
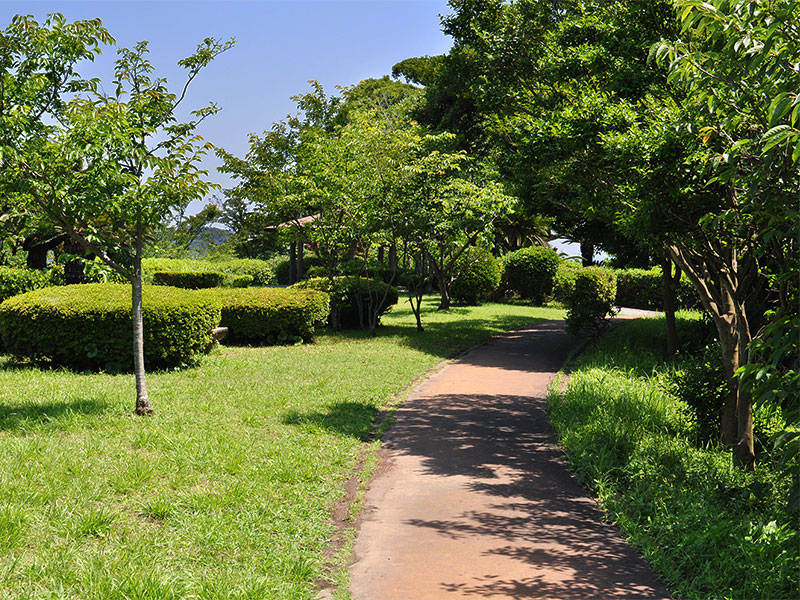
564,282
592,300
18,281
269,315
530,272
192,280
350,297
89,326
479,275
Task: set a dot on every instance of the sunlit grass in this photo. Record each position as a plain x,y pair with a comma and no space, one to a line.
227,491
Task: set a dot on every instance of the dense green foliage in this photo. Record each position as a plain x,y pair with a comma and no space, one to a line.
89,326
192,280
479,274
266,316
592,300
709,529
530,272
353,297
644,288
15,281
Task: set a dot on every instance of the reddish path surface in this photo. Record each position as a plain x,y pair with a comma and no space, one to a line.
473,498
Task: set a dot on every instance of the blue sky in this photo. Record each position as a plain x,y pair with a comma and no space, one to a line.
281,45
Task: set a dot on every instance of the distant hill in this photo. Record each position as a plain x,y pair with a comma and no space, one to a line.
211,235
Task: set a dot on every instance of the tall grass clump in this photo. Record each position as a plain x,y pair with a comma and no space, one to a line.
710,529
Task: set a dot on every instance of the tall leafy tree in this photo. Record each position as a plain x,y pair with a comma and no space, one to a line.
105,168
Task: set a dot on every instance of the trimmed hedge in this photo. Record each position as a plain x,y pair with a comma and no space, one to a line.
479,274
192,280
269,315
89,326
241,281
350,296
262,271
640,288
530,272
592,300
18,281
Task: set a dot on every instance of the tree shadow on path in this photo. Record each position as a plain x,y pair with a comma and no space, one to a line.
537,514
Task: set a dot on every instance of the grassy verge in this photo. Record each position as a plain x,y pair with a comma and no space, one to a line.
709,529
227,491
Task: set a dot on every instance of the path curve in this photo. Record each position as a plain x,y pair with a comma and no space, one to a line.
473,498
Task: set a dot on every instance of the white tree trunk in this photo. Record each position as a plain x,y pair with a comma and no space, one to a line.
143,406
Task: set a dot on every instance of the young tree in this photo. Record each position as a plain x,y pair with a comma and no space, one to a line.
104,168
738,60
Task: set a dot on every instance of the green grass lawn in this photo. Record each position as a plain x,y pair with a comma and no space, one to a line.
709,529
227,491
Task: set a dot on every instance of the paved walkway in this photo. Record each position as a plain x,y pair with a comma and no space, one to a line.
473,498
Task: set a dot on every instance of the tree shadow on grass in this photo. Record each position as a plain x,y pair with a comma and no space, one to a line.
350,419
24,417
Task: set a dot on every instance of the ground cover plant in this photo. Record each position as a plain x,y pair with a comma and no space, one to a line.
227,490
710,529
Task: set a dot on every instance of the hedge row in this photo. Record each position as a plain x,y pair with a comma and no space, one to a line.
192,280
261,271
89,326
269,315
592,300
640,288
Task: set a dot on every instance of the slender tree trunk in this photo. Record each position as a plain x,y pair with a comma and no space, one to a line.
444,290
415,300
301,269
669,304
722,298
143,406
292,263
744,452
728,429
393,257
587,253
